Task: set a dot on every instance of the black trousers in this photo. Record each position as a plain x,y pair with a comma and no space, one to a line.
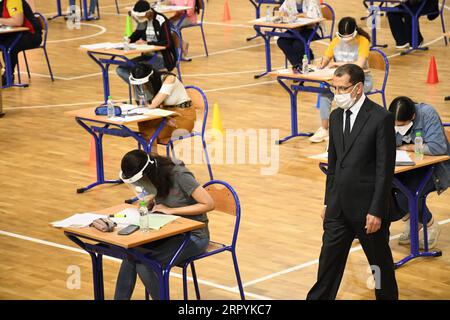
401,27
294,49
27,41
337,240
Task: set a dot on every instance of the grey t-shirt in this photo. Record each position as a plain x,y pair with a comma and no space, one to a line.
180,195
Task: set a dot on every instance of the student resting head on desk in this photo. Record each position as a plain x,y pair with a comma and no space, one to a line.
163,90
351,45
17,13
177,193
153,29
411,118
294,49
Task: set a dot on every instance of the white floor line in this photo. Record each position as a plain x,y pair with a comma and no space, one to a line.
77,250
102,31
310,263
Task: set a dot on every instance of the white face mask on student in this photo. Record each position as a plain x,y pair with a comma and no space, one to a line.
403,129
345,100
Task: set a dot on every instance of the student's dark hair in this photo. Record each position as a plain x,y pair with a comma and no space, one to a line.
403,108
355,72
143,69
348,25
159,173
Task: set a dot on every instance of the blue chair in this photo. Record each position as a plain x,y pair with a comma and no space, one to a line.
199,102
379,61
178,42
329,15
198,24
226,201
43,46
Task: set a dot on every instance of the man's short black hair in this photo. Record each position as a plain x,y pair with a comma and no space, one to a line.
355,72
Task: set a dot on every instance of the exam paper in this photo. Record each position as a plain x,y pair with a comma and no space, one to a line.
402,158
78,220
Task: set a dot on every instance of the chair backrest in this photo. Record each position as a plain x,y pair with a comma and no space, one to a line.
199,102
329,15
44,26
447,133
226,201
379,61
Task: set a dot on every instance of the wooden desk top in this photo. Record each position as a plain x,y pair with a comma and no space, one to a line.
303,22
4,30
324,75
426,161
137,238
131,52
89,113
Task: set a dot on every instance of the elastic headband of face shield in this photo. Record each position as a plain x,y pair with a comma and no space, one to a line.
348,36
140,9
136,81
140,174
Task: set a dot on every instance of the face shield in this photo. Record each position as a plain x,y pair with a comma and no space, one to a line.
347,38
139,16
140,184
142,88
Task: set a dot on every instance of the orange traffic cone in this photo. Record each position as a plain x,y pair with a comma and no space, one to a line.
226,11
92,152
432,72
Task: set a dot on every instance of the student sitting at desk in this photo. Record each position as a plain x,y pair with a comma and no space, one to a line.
17,13
189,20
162,90
351,45
401,24
177,193
410,118
294,49
153,29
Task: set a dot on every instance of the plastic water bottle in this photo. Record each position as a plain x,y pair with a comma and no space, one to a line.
142,101
110,108
418,146
143,217
268,14
305,65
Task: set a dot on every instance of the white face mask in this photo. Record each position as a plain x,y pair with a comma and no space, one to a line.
345,100
403,129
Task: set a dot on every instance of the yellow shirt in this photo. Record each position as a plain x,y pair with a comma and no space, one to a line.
14,7
362,43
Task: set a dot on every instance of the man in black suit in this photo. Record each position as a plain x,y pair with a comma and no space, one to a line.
361,162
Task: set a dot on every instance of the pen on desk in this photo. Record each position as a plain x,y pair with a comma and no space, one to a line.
118,215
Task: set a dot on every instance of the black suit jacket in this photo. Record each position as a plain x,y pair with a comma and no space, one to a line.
359,178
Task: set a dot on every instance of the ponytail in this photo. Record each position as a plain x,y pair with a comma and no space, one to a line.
363,33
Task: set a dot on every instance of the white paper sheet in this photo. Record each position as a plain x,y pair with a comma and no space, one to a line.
78,220
402,158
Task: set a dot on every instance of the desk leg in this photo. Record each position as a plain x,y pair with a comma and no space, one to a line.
373,13
258,15
105,75
98,157
415,30
294,116
413,203
267,53
58,11
97,273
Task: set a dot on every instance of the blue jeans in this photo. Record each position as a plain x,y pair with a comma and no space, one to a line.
92,5
327,98
157,63
161,251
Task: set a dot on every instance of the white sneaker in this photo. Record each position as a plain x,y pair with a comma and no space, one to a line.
405,46
320,135
434,230
405,237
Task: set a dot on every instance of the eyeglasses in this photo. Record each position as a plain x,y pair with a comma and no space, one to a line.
338,90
